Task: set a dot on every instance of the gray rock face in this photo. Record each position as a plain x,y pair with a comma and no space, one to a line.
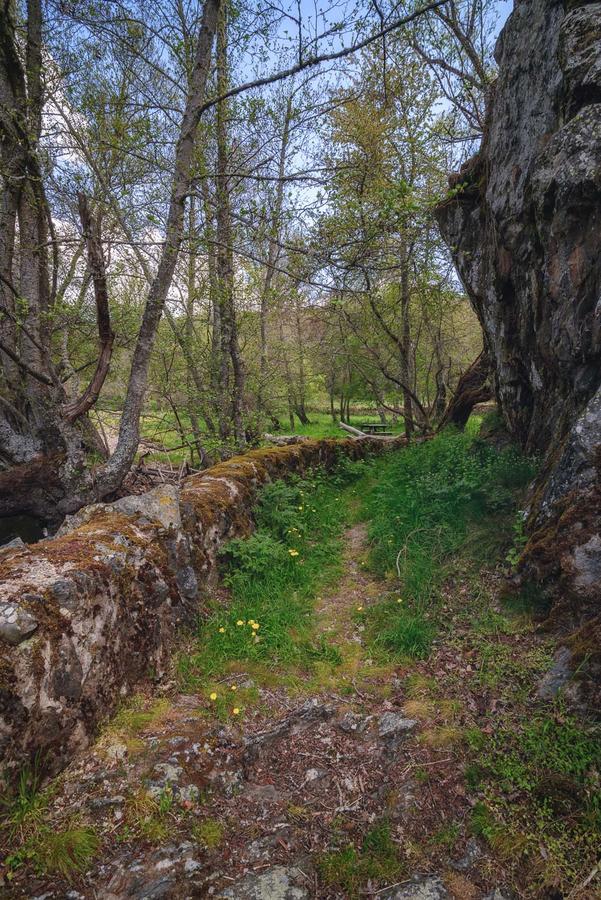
278,883
161,504
525,233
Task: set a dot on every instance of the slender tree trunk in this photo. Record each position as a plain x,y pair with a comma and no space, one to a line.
405,360
272,256
230,352
117,467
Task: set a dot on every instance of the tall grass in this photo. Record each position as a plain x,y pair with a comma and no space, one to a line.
451,497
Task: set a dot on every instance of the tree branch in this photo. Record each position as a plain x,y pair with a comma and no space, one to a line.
312,61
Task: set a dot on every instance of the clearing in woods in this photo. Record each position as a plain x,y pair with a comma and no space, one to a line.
358,715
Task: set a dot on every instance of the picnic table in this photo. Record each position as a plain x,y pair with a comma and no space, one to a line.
375,428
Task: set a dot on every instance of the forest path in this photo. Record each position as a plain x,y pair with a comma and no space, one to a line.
272,806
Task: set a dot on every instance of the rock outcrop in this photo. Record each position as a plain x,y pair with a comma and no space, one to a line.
85,615
524,226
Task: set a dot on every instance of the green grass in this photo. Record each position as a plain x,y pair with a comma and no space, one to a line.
321,425
537,776
209,833
31,839
158,425
436,505
273,577
350,868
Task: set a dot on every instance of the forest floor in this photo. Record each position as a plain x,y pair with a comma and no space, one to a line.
358,715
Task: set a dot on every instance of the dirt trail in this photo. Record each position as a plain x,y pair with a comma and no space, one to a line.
248,810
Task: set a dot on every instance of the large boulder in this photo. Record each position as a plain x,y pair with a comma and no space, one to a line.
524,226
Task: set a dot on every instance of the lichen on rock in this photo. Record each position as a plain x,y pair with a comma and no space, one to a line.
525,232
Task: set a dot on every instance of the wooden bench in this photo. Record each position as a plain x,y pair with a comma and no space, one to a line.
375,428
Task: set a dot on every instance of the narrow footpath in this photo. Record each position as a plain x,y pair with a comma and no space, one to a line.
356,781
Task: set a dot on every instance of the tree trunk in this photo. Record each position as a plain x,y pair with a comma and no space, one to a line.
129,430
272,255
230,352
473,388
405,361
37,425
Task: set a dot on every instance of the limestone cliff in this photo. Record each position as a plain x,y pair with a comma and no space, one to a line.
524,226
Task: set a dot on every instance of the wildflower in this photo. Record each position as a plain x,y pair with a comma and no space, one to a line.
233,688
236,710
255,626
222,631
300,507
213,696
240,622
359,608
399,600
293,552
251,622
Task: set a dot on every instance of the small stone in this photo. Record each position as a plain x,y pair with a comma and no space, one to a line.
279,883
430,888
472,855
551,683
191,866
155,890
104,802
352,723
188,794
267,793
164,864
392,724
116,752
16,624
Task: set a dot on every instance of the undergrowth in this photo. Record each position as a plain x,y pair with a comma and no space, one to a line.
25,827
449,500
273,577
376,860
537,778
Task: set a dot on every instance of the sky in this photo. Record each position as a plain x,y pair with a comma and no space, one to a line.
505,7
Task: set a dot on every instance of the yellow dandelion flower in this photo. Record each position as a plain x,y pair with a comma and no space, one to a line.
399,600
240,622
293,552
233,688
255,626
300,507
359,608
222,631
213,696
236,710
